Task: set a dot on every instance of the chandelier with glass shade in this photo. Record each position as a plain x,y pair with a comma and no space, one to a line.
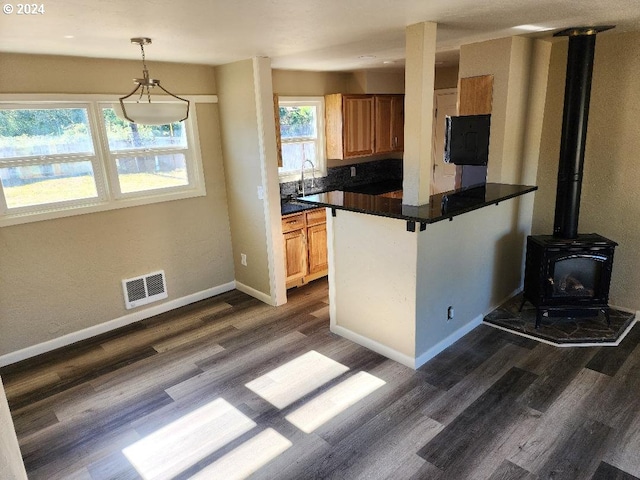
138,107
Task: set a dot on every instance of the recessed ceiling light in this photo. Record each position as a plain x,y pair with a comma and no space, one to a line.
69,36
389,62
366,57
532,28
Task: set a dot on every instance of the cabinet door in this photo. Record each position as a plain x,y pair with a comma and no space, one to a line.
358,125
384,139
397,123
295,253
317,246
389,123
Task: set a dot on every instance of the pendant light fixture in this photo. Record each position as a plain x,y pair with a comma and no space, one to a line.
159,112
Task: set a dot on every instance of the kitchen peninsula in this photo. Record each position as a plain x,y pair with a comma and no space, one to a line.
409,292
441,206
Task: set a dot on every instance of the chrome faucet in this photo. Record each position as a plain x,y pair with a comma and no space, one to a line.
313,176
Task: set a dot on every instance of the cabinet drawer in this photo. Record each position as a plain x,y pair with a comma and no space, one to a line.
315,217
292,222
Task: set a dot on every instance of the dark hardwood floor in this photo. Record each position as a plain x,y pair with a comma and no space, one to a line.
230,387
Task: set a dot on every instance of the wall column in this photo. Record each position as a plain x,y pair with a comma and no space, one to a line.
419,82
11,464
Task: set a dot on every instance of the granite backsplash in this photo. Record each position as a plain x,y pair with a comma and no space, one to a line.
340,177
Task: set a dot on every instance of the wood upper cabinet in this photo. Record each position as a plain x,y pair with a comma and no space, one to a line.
389,123
349,125
305,246
361,125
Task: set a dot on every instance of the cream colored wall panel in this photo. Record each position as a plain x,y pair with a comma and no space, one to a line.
491,58
446,77
300,83
64,275
539,77
11,464
372,279
610,203
377,81
59,74
471,264
251,229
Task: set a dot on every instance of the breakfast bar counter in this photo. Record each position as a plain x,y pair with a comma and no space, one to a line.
408,293
440,207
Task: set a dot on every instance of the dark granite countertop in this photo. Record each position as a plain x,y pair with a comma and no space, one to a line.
291,205
376,188
440,207
288,207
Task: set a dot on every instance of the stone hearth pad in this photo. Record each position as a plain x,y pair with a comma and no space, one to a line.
564,331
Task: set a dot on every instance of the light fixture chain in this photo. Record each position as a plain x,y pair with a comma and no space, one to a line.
145,74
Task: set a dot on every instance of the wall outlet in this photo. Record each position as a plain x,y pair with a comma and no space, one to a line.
450,313
243,259
353,171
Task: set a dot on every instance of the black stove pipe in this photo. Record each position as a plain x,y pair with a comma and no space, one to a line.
582,42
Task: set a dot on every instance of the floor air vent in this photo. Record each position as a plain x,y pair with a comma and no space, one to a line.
145,289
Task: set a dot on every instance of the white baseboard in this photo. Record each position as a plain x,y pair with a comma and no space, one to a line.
110,325
373,345
423,358
263,297
447,342
568,345
458,334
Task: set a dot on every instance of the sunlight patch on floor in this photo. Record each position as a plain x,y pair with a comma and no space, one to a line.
327,405
295,379
246,458
182,443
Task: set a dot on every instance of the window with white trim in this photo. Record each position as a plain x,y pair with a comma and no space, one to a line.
302,136
146,158
65,158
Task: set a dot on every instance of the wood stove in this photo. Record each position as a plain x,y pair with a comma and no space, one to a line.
568,274
568,277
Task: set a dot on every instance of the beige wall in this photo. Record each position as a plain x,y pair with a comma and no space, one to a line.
535,108
64,275
519,68
11,464
377,81
252,229
364,81
610,202
372,280
446,77
473,264
300,83
58,74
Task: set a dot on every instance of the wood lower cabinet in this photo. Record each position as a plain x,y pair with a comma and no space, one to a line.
394,194
305,246
296,256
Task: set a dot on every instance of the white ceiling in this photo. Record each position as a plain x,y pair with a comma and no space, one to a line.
329,35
